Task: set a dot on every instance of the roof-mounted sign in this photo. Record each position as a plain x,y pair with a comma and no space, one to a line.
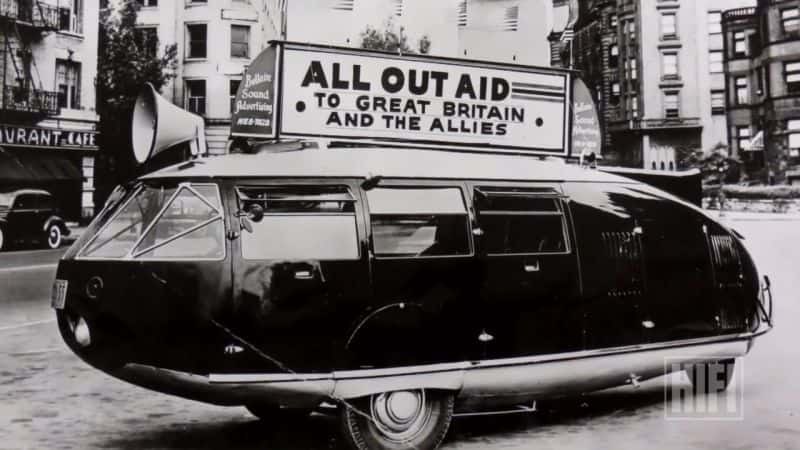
308,91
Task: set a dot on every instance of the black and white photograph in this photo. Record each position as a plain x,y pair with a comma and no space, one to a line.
399,224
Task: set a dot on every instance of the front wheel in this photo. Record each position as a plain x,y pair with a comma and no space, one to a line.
53,237
416,419
711,378
2,239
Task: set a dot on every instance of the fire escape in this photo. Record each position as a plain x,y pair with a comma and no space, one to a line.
25,23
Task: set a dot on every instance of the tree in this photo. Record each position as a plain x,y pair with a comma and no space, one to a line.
716,166
128,58
392,39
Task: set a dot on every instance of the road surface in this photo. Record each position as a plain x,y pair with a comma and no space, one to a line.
50,399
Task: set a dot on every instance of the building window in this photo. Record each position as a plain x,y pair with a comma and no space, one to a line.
147,39
714,22
791,74
672,105
612,21
793,125
615,92
630,29
632,69
669,26
613,55
511,18
68,84
70,16
669,65
462,18
147,3
196,96
715,61
717,102
633,107
739,44
233,89
760,81
344,5
240,41
743,138
742,92
197,37
790,20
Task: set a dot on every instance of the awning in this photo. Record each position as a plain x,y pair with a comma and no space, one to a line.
35,167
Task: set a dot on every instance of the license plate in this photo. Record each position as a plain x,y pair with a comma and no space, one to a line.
59,294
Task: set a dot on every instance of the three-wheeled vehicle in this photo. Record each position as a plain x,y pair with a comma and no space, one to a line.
400,285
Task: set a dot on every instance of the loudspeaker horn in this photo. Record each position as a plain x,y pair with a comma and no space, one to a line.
159,125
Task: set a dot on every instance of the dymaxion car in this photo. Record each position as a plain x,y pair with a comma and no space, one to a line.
402,285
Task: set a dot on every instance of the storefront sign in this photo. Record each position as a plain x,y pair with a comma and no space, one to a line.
586,135
353,95
254,107
11,135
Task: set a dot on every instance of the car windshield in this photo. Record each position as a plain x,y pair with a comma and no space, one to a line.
163,222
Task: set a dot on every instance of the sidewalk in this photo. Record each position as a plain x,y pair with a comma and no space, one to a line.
752,216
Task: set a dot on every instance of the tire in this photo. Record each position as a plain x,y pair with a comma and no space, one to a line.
721,370
276,414
419,419
53,237
2,240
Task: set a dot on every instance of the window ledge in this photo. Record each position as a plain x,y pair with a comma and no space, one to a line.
192,60
71,34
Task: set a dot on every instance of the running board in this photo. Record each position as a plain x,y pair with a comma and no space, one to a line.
518,409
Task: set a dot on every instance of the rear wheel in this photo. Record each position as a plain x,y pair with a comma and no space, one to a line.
53,237
397,420
714,377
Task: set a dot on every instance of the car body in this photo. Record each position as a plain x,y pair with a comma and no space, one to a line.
30,215
363,272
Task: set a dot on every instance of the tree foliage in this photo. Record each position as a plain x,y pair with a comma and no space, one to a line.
716,166
127,60
392,39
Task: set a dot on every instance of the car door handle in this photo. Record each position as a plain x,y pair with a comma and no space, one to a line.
303,275
531,267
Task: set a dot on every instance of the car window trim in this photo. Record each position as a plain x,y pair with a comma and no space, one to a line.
81,254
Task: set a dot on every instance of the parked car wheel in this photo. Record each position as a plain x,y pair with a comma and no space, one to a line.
276,414
54,237
712,377
397,420
2,239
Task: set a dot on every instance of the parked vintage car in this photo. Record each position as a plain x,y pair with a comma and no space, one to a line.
400,284
30,215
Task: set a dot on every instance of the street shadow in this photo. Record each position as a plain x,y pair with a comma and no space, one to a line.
314,433
320,432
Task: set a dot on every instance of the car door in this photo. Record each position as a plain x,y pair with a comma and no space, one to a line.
530,286
22,218
300,273
423,274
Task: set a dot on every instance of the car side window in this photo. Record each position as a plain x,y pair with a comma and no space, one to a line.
411,222
45,202
521,221
23,201
300,223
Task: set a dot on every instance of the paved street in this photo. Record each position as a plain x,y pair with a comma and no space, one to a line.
50,399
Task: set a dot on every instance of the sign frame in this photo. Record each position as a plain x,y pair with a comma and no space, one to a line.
286,49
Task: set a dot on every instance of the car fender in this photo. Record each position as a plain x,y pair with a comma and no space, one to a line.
57,221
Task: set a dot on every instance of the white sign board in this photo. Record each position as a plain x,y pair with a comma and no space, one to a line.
348,94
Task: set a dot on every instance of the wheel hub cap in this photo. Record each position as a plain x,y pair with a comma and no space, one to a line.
401,415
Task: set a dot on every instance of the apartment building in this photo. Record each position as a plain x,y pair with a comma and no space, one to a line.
762,67
657,71
217,38
48,124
